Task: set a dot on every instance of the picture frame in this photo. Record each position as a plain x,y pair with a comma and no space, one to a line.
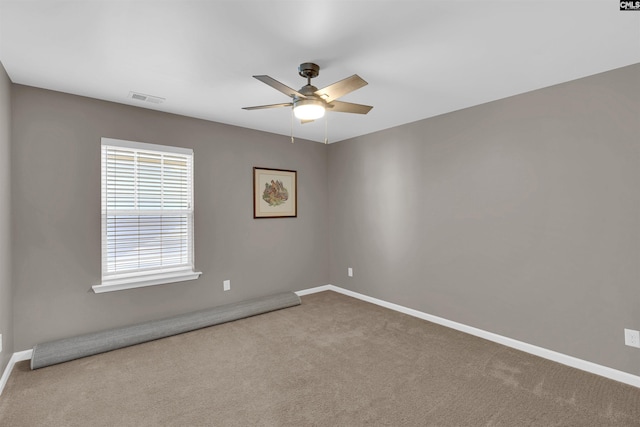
275,193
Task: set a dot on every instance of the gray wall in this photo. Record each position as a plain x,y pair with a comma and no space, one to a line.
519,217
56,215
6,293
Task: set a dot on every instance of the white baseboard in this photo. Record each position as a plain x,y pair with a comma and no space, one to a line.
15,358
574,362
316,290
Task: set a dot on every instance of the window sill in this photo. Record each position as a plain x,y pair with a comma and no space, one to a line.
143,281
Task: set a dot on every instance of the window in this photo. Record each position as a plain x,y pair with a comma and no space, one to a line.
147,215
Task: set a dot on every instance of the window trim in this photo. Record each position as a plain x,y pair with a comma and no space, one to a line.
138,279
143,280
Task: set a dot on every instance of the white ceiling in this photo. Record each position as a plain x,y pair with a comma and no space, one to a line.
421,58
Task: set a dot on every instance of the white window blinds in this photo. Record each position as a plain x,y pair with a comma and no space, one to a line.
147,209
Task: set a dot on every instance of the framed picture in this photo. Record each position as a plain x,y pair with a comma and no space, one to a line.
275,193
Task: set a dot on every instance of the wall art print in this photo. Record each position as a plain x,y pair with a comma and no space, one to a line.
275,193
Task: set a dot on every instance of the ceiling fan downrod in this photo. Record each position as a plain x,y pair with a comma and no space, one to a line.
308,70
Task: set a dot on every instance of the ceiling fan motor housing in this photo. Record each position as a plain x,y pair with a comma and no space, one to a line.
309,91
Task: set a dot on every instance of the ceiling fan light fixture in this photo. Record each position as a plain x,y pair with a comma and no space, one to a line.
308,109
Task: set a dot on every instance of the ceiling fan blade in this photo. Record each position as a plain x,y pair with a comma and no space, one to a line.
262,107
280,87
348,107
306,121
341,88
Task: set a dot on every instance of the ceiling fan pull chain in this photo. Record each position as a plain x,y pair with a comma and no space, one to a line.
326,121
292,125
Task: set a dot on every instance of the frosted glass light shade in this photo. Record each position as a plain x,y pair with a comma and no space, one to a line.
308,109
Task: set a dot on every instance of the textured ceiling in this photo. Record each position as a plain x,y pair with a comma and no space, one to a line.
421,58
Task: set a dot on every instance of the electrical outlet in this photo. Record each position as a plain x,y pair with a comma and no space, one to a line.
350,272
226,285
632,338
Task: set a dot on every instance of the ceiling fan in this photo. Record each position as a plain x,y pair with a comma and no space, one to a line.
309,103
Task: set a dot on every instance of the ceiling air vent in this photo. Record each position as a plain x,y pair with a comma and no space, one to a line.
146,98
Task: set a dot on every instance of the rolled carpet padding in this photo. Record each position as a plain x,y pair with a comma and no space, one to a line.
64,350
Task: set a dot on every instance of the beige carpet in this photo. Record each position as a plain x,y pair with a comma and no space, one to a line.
333,361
